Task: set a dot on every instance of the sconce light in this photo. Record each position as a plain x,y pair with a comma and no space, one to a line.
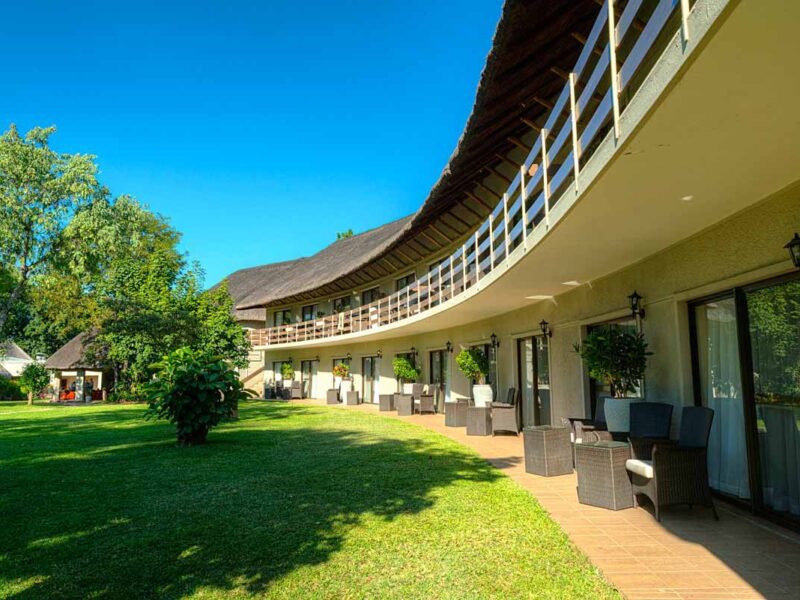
794,250
380,353
316,358
545,327
636,305
449,346
349,356
414,351
495,341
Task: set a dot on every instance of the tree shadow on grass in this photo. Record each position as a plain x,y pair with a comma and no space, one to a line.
129,514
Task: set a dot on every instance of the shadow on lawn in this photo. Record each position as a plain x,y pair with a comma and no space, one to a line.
135,516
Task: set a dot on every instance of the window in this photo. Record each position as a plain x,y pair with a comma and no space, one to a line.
404,282
368,296
310,312
342,304
282,317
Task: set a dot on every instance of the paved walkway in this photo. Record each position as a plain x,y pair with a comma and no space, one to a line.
686,556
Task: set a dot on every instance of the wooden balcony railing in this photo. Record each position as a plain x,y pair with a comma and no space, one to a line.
604,78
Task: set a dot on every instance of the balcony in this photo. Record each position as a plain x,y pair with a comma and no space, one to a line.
629,64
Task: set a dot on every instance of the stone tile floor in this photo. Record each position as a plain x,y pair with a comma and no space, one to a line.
688,556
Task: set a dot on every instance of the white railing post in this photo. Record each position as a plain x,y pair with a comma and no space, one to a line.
491,243
452,276
523,198
545,180
576,150
612,65
477,260
430,299
685,20
464,268
505,220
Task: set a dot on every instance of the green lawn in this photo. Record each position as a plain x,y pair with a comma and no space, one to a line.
288,502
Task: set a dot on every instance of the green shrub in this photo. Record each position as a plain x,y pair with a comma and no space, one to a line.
473,363
404,370
341,370
34,380
194,390
615,356
287,370
9,390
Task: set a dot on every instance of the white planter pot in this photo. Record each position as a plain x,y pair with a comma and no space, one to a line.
618,413
482,394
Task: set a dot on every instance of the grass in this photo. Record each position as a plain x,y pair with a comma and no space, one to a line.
288,502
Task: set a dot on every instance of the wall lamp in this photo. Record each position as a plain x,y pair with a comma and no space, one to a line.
414,351
545,327
636,304
380,353
349,356
794,250
449,346
495,341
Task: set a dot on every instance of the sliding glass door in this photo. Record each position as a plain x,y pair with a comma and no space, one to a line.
746,360
369,379
533,379
308,376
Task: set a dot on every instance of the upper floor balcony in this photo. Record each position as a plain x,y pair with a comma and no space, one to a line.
631,58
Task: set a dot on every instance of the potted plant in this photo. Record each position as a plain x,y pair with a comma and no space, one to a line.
341,373
287,371
619,358
474,364
404,370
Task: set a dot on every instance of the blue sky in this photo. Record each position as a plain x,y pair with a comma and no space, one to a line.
259,128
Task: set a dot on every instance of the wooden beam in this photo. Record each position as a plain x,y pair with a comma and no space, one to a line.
390,263
466,225
487,189
404,255
441,233
470,210
546,103
505,159
519,144
425,249
479,200
497,173
582,40
435,243
531,124
456,232
560,73
637,23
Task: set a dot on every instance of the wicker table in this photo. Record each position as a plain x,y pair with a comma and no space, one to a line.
351,398
479,420
602,477
548,450
332,397
455,413
405,405
385,402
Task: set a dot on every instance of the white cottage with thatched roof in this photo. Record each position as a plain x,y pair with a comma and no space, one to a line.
74,378
13,360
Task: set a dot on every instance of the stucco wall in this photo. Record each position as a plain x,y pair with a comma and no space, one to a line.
744,248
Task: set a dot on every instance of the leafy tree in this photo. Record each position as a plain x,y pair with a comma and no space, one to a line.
343,235
473,363
194,390
404,370
33,380
215,329
40,190
615,356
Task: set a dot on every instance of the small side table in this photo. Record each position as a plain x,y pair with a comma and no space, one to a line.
332,397
405,405
548,450
455,413
479,420
351,399
385,402
602,477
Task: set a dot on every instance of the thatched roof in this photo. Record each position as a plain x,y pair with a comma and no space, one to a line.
535,43
72,354
10,350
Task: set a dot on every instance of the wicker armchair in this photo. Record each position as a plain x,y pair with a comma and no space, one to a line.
650,420
297,390
670,472
505,416
424,404
579,425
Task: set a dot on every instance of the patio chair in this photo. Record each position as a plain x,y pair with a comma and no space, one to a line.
296,390
670,472
417,389
578,425
424,404
505,415
650,420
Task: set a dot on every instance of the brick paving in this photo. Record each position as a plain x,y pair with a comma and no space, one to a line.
688,556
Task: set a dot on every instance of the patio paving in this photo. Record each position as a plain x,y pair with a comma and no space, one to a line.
687,556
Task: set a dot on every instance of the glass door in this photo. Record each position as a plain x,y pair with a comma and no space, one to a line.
439,376
533,369
774,352
719,382
369,378
308,377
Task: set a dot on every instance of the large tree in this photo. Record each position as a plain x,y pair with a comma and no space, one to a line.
40,191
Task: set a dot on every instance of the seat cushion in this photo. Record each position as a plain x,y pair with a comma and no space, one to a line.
640,467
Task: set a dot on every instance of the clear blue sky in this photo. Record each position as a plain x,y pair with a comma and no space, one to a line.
260,128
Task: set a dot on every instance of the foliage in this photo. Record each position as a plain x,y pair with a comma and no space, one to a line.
40,190
341,370
404,370
343,235
616,356
194,390
473,363
34,379
287,370
10,390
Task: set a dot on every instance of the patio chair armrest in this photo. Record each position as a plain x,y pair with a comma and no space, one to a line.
642,448
673,461
597,436
580,427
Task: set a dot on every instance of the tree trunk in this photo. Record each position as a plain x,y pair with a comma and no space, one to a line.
30,398
196,438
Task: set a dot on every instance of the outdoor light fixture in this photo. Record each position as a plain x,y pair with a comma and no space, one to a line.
794,249
449,346
380,353
414,351
495,341
545,327
636,305
349,356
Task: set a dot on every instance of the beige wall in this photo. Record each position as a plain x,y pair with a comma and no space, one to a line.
742,249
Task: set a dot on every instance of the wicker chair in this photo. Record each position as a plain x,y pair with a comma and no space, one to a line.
425,404
650,420
670,472
297,390
579,425
505,415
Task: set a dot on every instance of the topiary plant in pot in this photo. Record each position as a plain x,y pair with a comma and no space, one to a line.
195,390
404,370
287,371
474,364
619,358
